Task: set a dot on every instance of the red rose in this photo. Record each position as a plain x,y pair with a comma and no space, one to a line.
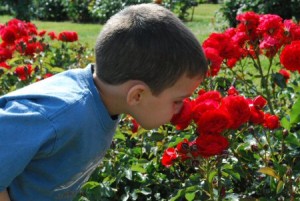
169,156
259,102
134,126
271,121
257,116
232,91
210,95
68,36
210,145
183,147
202,107
213,122
286,75
214,60
249,19
5,54
24,72
52,35
8,35
184,117
5,65
289,56
237,108
270,24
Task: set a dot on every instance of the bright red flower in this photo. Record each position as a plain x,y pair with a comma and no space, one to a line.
210,95
134,126
271,121
42,33
250,19
202,107
210,145
289,56
183,147
232,91
52,35
214,61
5,65
286,74
24,72
8,35
237,108
257,115
68,36
231,62
249,22
270,45
5,54
259,102
270,24
27,46
184,117
169,156
213,122
240,38
223,43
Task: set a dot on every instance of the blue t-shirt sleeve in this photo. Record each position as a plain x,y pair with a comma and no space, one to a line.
25,135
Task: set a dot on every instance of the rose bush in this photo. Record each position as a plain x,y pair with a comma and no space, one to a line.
28,55
237,137
244,124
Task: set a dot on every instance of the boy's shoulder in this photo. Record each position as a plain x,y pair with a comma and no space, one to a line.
54,93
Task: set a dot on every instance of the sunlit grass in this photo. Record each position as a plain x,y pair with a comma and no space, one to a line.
201,26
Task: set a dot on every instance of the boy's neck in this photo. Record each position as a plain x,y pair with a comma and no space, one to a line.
111,95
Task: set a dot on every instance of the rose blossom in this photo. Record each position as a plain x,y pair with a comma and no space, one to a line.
210,145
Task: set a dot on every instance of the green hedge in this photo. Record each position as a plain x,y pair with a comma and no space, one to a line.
83,10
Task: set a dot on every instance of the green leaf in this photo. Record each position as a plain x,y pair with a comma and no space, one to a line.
128,174
285,123
280,187
295,112
90,185
119,135
178,195
269,171
211,176
138,168
146,191
190,196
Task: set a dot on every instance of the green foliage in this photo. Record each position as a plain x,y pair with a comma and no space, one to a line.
49,10
181,7
18,8
78,10
102,10
287,9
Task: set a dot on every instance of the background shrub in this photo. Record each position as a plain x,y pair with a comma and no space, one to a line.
286,9
49,10
78,10
102,10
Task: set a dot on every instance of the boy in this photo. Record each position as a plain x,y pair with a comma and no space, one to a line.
55,132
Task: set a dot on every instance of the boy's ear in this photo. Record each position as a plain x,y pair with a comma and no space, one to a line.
135,93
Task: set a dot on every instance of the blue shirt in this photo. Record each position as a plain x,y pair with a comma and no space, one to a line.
53,134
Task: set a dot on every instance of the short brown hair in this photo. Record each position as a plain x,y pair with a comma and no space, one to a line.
149,43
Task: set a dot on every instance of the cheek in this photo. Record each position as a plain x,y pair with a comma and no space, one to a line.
177,108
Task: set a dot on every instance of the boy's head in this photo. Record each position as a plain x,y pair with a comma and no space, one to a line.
146,54
149,43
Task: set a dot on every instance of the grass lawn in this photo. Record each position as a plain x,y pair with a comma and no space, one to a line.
201,25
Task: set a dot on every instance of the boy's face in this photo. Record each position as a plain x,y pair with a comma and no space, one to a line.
158,110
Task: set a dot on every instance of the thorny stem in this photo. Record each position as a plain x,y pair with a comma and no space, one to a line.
210,187
219,165
264,158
